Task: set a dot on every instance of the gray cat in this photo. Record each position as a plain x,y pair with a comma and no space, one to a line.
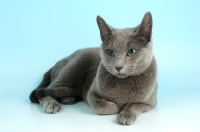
119,77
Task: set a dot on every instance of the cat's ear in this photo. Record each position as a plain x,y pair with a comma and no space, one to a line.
105,30
145,28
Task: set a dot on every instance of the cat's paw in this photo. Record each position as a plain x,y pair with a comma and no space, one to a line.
106,108
51,106
126,118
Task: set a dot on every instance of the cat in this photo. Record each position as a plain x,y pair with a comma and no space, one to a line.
117,78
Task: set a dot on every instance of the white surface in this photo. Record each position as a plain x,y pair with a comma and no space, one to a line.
35,34
179,113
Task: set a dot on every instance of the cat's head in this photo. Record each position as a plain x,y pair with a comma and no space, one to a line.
126,52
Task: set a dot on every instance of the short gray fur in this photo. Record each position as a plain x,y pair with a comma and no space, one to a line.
108,84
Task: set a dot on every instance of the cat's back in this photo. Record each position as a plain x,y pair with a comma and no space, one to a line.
90,55
82,59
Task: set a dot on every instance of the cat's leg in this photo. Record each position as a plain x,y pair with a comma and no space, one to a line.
44,84
130,112
67,80
64,95
50,105
51,98
102,106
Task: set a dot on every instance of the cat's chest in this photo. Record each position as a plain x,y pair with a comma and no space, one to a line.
122,91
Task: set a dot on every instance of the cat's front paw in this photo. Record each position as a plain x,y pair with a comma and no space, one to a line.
126,118
106,108
52,107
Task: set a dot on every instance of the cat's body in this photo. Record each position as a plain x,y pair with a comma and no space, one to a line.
119,77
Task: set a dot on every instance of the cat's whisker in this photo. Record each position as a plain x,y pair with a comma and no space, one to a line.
108,66
103,72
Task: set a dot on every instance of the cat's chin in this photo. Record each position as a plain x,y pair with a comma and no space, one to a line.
119,75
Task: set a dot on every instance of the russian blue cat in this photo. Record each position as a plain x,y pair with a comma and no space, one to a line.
117,78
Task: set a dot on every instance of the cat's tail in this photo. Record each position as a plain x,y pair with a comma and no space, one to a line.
44,84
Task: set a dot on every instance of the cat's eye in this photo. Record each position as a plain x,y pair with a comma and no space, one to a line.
131,52
110,52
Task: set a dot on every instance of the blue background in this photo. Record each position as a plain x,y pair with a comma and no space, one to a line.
35,34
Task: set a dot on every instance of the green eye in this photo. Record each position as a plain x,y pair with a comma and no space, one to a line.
131,52
110,52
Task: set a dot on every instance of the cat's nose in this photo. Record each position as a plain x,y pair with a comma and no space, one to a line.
118,68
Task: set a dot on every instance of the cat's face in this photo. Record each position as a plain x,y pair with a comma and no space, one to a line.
126,52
